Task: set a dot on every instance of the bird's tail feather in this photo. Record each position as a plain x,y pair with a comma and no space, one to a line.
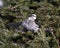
14,25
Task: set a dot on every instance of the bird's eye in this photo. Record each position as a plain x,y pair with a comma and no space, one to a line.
34,16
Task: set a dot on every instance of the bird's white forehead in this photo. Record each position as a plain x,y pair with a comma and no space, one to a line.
34,15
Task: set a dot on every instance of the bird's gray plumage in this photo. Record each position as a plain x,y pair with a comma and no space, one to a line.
28,23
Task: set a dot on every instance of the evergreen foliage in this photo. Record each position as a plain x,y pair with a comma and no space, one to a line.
48,18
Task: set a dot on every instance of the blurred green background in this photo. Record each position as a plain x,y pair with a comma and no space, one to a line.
48,15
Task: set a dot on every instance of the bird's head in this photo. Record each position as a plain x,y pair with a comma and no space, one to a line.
32,17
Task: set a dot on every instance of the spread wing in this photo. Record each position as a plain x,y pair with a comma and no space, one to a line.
29,24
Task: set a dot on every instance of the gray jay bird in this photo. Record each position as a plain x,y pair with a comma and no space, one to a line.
28,24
